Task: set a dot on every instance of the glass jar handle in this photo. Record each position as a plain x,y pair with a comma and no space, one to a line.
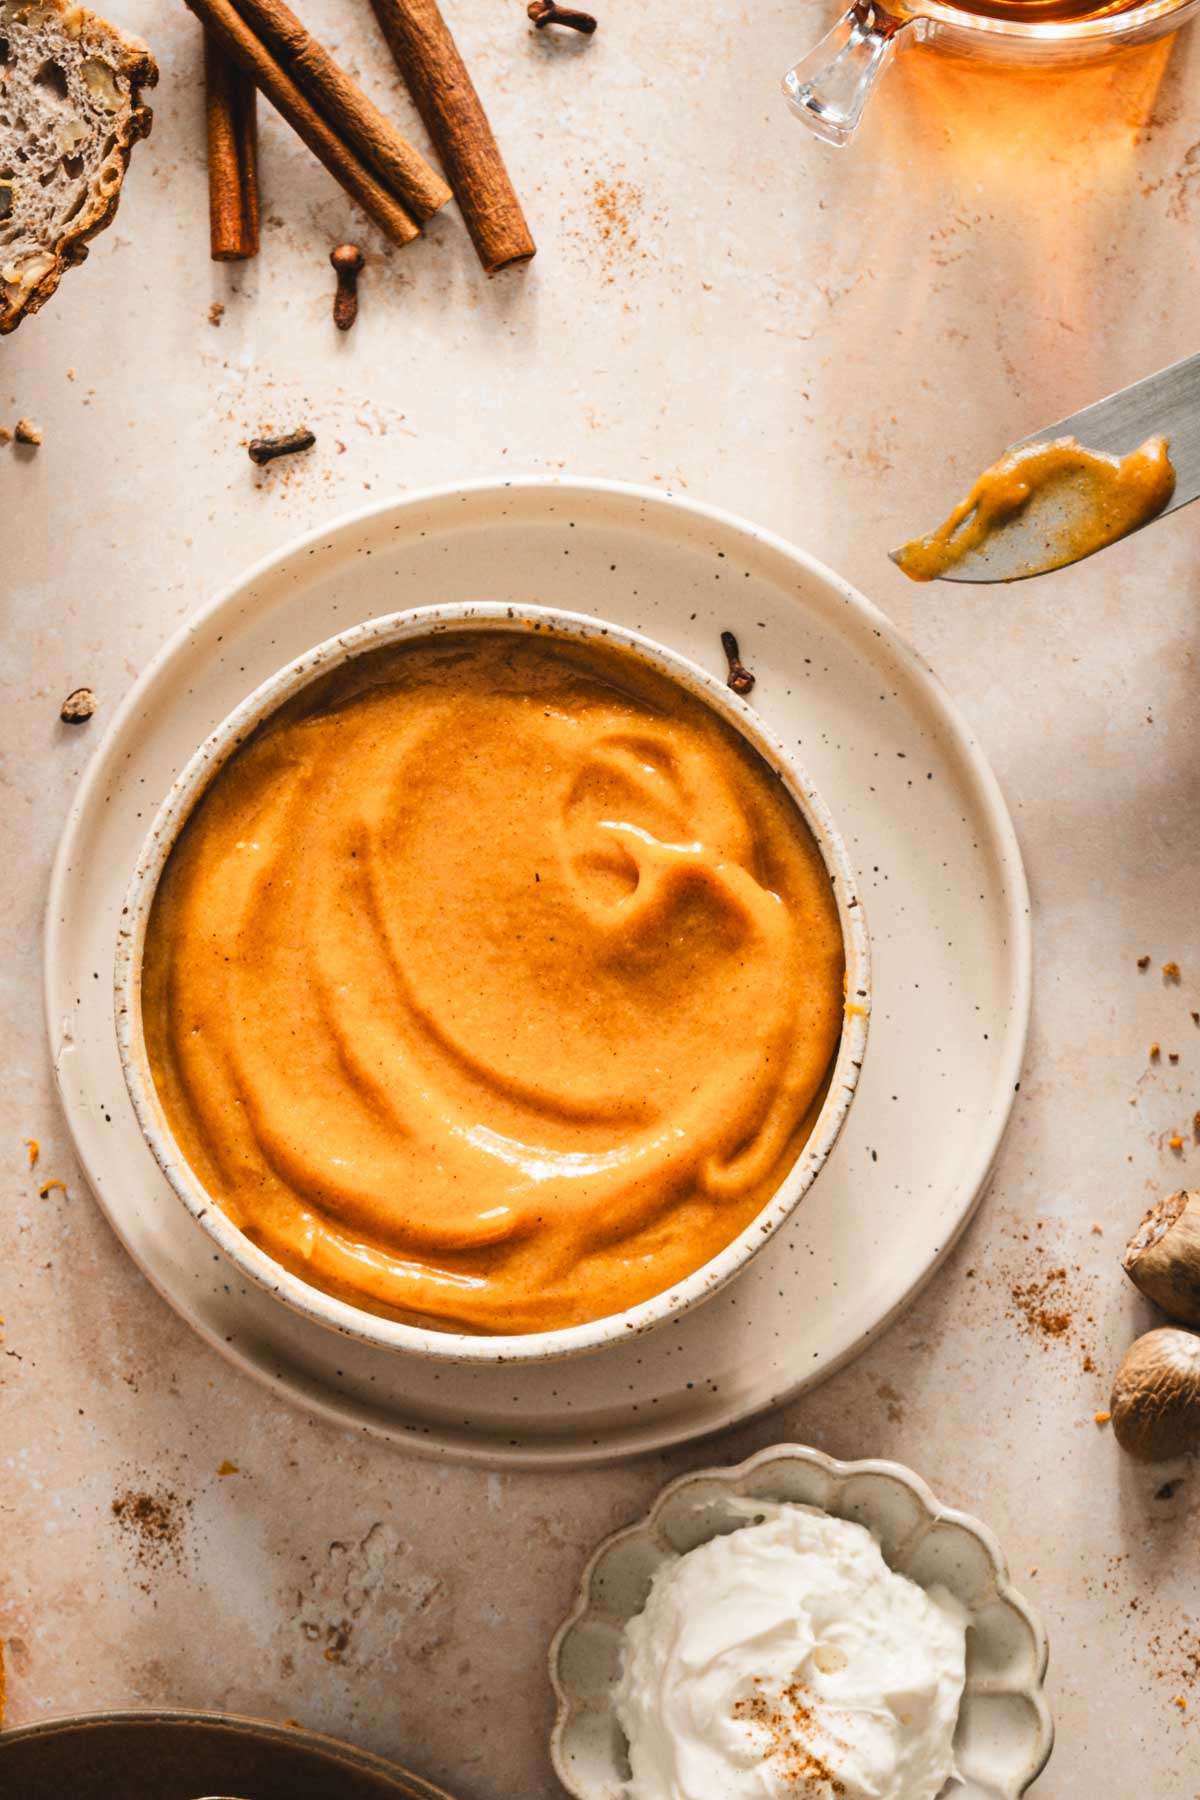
831,86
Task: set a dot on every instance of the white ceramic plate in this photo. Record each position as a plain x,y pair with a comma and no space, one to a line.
1004,1734
939,869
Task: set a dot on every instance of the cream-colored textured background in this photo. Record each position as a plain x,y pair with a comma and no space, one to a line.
829,343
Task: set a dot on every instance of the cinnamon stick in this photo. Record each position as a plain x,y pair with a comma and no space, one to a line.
235,36
231,118
372,135
429,61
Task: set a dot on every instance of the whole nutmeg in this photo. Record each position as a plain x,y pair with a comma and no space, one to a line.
1155,1401
1162,1258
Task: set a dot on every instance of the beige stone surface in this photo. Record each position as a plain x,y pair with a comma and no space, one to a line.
831,344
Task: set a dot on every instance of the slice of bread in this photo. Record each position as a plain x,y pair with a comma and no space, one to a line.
70,112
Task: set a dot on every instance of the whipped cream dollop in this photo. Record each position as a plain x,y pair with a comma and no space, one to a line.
787,1659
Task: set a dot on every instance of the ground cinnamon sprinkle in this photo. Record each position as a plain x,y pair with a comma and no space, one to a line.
787,1719
154,1524
616,210
1177,1660
1043,1303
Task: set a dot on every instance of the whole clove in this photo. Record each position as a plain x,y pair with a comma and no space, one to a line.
347,260
548,12
739,677
265,450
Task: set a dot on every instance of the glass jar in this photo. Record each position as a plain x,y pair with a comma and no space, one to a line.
830,88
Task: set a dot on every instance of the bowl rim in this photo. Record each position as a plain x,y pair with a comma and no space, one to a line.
184,794
730,1475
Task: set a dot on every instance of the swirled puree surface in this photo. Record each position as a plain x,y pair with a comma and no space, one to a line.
493,983
788,1659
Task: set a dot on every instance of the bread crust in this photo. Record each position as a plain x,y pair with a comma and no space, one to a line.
129,58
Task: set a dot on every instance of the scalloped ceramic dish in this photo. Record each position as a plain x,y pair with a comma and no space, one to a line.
1004,1734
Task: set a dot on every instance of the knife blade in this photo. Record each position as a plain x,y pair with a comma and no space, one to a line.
1163,405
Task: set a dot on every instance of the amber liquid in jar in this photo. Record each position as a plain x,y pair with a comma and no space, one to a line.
1046,12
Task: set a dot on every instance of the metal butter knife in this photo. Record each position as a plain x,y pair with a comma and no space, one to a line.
1163,405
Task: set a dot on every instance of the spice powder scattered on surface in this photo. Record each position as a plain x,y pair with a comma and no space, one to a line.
616,207
1043,1303
154,1524
1177,1659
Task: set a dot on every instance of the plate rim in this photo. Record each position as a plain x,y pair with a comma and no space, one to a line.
970,1188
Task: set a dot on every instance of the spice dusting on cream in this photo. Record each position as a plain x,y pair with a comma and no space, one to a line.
786,1659
494,983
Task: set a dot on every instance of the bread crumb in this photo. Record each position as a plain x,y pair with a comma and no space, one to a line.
1180,1701
1170,970
228,1468
1101,1418
26,432
1173,1056
34,1149
78,706
1097,1230
1155,1051
1175,1142
48,1187
1143,962
216,313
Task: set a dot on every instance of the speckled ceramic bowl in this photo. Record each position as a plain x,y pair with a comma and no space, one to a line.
341,1315
1004,1735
